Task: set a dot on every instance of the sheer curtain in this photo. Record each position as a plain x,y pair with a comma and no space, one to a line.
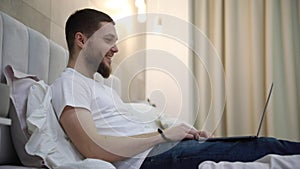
258,43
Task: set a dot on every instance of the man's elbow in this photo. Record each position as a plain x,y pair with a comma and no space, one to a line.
96,152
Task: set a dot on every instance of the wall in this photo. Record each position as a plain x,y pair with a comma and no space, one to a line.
49,16
168,63
44,16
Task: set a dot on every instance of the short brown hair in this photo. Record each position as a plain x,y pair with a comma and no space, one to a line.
85,21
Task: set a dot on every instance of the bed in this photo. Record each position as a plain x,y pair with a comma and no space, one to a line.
27,55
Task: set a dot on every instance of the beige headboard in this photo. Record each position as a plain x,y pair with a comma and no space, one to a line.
29,51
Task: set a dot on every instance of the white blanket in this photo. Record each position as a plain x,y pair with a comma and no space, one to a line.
47,137
268,162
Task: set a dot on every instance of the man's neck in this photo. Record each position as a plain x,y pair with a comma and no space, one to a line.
81,68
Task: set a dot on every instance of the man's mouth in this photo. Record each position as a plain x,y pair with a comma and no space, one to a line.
108,58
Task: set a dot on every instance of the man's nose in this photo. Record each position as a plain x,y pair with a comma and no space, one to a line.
114,49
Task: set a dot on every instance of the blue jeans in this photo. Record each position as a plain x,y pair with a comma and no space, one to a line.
190,153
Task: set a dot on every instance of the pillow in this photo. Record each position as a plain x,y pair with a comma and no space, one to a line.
150,116
37,136
48,140
19,84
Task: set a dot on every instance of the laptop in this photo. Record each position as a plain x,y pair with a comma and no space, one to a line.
240,138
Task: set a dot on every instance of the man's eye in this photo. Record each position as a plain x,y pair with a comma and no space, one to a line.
108,40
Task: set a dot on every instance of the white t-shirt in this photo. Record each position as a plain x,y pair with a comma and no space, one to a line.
109,113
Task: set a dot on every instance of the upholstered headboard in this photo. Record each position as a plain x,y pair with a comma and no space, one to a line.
30,52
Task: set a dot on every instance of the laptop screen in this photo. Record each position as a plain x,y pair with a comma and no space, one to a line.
265,108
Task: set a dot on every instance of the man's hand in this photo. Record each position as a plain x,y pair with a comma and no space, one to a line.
184,131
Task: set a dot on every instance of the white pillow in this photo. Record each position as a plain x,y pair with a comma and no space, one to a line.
150,115
48,140
19,84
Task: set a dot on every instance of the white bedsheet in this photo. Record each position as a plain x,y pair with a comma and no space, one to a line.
267,162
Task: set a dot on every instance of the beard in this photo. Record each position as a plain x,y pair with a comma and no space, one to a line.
104,70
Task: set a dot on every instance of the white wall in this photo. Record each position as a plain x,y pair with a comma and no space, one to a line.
168,61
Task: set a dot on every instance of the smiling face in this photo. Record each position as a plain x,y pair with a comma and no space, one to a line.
100,48
105,66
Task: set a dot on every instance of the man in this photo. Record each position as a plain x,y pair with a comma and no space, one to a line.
94,118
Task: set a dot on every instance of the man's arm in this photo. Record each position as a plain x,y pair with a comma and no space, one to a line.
80,127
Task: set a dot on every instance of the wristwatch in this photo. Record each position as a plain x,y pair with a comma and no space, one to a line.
161,132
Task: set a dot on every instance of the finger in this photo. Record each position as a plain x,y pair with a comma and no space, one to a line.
195,134
190,130
203,134
189,136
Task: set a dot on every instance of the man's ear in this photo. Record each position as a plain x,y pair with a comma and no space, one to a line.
80,39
